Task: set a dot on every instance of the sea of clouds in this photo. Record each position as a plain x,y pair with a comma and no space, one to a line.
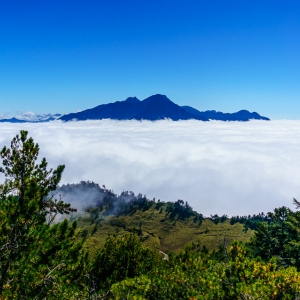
218,167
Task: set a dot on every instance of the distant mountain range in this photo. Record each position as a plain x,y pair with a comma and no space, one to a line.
153,108
242,115
31,117
156,107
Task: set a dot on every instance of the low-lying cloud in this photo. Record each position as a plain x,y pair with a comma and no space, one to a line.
218,167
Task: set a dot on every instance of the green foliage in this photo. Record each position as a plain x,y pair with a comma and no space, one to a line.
193,275
38,259
250,222
159,231
217,219
120,258
280,238
105,201
181,210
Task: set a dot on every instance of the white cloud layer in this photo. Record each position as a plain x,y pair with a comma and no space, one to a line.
218,167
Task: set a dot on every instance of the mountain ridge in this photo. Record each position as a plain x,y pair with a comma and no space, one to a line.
153,108
30,117
241,115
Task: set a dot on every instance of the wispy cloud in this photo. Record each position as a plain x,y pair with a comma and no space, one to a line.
218,167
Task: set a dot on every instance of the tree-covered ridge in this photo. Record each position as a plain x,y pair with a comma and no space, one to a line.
251,222
41,259
104,201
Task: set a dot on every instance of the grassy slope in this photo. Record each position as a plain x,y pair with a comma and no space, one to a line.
159,231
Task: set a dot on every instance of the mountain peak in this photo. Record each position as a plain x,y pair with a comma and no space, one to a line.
158,97
156,107
132,100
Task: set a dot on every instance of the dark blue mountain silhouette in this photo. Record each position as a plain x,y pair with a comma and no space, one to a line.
242,115
156,107
13,120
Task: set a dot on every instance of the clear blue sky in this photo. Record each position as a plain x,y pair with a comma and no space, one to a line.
64,56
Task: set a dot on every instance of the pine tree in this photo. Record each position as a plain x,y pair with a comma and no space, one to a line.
38,258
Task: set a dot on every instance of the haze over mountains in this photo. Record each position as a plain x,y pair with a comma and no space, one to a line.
30,117
153,108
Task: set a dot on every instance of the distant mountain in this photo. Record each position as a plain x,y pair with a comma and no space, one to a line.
156,107
30,117
242,115
12,120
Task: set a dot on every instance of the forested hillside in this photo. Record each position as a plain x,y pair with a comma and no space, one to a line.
164,226
129,247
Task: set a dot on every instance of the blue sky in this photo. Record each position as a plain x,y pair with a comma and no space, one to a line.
64,56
